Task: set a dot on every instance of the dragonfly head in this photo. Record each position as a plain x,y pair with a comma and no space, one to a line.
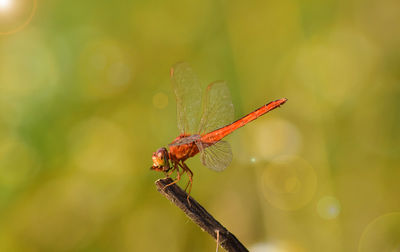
160,160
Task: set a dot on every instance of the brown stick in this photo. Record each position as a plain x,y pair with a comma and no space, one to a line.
199,215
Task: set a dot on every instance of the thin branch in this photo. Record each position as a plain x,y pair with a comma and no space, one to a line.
199,215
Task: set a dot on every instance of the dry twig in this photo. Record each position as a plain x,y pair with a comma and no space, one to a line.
199,215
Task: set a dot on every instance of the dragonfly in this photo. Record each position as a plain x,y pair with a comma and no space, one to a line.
203,122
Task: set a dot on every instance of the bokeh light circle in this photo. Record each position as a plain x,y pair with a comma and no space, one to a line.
22,79
100,146
328,207
106,68
382,234
335,67
270,138
18,162
277,246
79,204
6,6
288,182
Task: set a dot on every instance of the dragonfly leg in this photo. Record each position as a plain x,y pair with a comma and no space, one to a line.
170,172
184,170
186,187
178,177
190,175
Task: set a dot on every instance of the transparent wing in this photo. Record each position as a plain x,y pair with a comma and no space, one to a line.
188,97
217,108
217,156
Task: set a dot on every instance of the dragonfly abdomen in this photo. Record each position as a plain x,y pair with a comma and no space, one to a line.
220,133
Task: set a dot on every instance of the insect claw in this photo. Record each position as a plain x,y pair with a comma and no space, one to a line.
165,187
188,200
217,231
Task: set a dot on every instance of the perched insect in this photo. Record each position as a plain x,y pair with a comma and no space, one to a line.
202,126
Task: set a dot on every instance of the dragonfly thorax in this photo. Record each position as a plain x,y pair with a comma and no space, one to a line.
183,147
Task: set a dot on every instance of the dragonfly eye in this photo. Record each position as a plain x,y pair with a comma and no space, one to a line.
160,160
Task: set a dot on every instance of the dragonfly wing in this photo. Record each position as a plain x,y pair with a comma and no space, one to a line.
188,97
217,108
217,156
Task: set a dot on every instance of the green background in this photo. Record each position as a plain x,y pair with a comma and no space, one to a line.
85,99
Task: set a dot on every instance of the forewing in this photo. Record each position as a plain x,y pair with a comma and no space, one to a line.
188,97
217,156
217,108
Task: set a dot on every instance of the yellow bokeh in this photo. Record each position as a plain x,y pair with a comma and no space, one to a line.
15,15
86,98
382,234
288,182
106,68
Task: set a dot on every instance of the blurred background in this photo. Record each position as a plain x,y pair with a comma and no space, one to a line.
85,99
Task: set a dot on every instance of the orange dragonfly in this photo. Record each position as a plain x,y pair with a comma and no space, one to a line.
202,126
